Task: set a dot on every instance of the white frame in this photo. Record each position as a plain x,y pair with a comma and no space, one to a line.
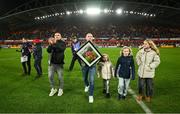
84,48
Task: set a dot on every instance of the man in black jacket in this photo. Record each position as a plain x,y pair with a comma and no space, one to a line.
37,53
56,50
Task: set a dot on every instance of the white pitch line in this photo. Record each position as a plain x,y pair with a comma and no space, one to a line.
141,103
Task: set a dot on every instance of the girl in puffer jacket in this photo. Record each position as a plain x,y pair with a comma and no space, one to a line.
147,59
106,71
126,71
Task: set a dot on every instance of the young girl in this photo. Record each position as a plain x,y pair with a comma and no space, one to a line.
147,59
125,69
105,69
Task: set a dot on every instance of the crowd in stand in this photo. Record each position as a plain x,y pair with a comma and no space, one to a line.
116,31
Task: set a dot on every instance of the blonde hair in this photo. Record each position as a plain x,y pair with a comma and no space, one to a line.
106,55
126,47
152,46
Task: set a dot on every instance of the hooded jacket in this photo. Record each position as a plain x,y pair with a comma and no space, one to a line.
147,61
125,67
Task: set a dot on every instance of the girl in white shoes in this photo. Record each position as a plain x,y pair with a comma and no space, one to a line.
106,71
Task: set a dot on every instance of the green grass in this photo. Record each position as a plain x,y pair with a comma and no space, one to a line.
25,94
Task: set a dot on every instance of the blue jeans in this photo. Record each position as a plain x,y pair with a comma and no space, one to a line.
91,71
37,65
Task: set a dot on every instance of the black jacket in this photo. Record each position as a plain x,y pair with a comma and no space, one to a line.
37,51
25,49
125,67
57,50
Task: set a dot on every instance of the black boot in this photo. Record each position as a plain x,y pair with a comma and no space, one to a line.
104,91
123,97
120,97
108,95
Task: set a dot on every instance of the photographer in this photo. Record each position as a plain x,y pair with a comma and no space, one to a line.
26,56
74,48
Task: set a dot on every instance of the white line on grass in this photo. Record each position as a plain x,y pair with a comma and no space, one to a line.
141,103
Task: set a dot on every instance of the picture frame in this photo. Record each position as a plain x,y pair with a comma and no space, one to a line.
89,54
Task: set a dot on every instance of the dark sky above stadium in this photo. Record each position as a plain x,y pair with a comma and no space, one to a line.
7,5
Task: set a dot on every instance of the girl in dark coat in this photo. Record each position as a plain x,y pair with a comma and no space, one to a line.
125,70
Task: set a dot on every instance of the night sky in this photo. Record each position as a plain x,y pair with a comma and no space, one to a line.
7,5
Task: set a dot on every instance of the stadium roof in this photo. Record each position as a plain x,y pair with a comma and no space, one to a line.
22,12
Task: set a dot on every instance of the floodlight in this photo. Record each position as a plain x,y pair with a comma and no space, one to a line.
56,14
68,13
105,11
119,11
93,11
81,11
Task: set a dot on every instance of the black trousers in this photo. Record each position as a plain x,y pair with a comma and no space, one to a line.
37,66
106,85
148,83
27,70
75,57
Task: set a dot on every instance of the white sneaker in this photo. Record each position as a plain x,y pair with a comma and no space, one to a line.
86,89
60,92
53,91
91,99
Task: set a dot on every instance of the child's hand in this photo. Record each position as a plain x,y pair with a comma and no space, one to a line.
98,75
113,76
